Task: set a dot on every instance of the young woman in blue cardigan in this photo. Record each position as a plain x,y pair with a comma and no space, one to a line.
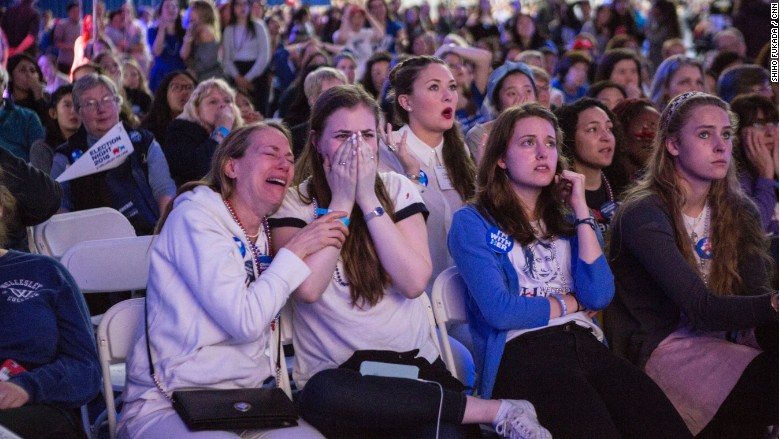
532,260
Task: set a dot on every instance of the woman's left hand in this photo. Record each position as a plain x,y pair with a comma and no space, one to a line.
571,187
12,395
365,194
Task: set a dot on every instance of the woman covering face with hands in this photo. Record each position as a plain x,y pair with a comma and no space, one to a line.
362,301
530,255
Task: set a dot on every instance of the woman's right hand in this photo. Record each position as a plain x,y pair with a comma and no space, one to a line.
341,174
325,231
401,150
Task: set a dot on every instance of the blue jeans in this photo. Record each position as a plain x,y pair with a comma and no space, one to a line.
342,403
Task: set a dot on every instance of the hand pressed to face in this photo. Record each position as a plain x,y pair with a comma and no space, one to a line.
571,188
348,146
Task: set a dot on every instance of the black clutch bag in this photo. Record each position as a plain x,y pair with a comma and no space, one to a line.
229,409
234,409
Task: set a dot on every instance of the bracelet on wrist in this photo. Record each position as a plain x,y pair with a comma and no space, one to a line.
589,221
562,303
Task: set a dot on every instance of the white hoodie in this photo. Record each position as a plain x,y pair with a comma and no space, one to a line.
208,325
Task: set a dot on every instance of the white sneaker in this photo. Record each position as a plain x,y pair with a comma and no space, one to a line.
519,422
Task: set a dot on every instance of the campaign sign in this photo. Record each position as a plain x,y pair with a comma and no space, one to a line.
107,153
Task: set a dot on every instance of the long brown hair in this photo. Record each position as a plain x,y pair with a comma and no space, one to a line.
734,218
495,197
460,167
367,277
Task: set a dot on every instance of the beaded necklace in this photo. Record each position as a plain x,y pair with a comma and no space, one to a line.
607,186
702,248
336,273
266,231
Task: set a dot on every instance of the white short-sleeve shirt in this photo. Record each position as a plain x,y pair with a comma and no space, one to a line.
330,330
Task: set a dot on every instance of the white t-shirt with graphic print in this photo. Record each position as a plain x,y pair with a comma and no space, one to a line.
543,269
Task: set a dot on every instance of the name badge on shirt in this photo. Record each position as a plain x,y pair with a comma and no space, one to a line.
499,241
443,177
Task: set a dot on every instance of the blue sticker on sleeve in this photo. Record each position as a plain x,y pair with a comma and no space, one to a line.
704,248
135,136
76,154
265,262
499,241
240,245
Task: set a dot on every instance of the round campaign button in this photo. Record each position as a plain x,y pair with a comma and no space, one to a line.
704,248
499,241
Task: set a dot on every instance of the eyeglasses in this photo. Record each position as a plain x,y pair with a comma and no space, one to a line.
176,88
93,105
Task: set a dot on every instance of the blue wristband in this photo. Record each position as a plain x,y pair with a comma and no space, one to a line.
322,211
562,303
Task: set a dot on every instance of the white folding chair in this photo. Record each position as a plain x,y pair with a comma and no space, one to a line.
449,308
115,338
109,265
55,236
105,266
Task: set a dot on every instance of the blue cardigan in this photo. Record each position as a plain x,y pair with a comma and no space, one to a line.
493,303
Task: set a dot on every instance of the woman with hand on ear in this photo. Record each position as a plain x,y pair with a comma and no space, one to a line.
362,301
530,255
429,148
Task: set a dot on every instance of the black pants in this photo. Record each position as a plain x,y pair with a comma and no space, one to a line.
581,390
40,421
752,405
342,403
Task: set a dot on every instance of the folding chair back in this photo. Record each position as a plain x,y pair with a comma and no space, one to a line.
62,231
108,265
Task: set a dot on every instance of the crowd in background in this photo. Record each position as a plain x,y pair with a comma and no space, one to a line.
603,140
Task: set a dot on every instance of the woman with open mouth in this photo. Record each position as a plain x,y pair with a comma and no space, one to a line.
590,144
693,304
429,148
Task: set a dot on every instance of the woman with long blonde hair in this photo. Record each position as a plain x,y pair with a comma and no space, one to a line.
693,295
